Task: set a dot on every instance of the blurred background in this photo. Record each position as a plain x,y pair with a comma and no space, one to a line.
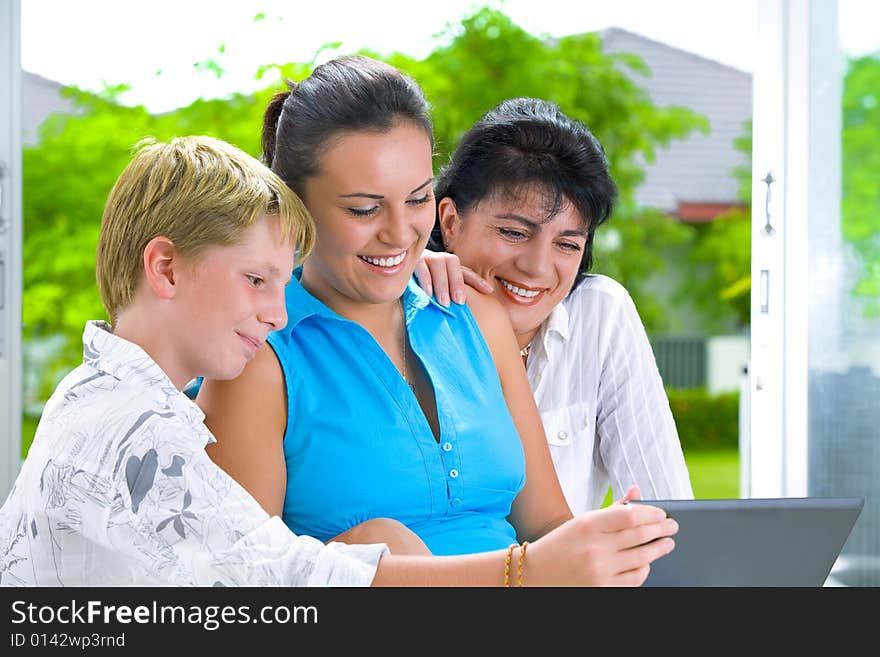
666,87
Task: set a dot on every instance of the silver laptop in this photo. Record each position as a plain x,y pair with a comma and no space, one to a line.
791,541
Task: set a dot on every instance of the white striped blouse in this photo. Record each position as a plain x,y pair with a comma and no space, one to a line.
602,402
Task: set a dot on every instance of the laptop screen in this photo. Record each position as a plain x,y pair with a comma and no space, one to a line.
754,542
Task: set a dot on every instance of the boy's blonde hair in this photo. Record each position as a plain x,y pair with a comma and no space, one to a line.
197,192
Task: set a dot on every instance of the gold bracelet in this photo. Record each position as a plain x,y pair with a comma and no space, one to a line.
507,563
520,566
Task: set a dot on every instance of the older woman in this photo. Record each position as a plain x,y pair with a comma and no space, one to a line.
518,204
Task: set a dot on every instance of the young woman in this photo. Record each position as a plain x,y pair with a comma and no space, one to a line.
375,401
518,204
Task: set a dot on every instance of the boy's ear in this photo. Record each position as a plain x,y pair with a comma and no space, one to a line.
450,222
162,260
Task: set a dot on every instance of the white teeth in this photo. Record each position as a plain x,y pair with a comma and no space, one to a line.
528,294
384,262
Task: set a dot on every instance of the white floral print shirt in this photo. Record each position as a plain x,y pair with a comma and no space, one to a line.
117,490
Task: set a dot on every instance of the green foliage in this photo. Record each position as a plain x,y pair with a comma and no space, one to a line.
705,421
721,257
723,252
634,248
489,59
861,172
483,60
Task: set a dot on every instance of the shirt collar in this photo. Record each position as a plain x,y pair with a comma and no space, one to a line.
557,322
126,361
301,304
416,299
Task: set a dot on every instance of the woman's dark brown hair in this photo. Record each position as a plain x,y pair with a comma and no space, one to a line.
346,94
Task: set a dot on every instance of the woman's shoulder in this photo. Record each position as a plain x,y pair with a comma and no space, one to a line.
485,308
491,320
261,377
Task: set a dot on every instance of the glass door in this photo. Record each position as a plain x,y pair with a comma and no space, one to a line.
844,310
814,386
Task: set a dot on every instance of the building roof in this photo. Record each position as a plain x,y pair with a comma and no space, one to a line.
40,97
695,171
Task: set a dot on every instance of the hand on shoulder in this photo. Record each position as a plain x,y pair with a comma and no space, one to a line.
442,275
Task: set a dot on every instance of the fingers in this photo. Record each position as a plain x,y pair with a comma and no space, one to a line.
640,546
442,276
439,278
643,534
637,558
447,277
455,274
423,275
632,494
476,281
624,516
635,577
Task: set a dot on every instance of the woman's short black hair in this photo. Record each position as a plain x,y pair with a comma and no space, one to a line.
527,144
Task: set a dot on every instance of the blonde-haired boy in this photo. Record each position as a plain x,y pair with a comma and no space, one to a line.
197,243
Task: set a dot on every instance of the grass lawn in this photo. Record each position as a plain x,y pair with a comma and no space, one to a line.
714,474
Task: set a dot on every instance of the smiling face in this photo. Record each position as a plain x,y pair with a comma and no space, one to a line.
229,298
373,206
531,261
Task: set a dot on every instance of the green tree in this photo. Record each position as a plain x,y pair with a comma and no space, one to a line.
721,257
861,172
485,59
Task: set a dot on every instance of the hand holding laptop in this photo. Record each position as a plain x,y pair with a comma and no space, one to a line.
622,536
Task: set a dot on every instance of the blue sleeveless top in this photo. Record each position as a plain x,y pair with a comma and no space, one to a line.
358,446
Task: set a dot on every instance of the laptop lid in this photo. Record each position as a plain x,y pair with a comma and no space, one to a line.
754,542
